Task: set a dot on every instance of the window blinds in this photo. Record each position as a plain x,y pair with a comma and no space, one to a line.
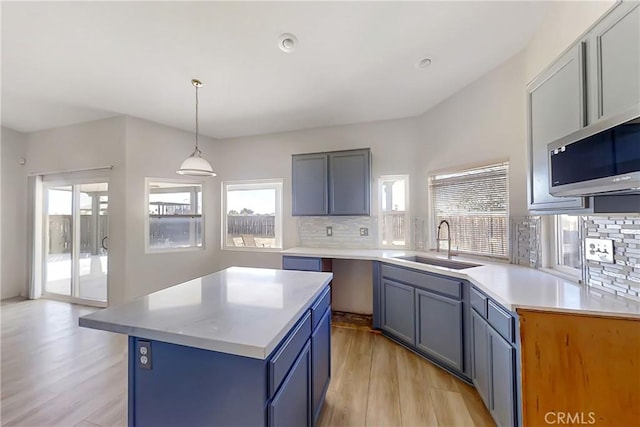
476,204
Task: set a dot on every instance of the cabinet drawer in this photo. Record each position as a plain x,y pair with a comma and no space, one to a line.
479,302
319,307
449,287
500,320
281,362
301,263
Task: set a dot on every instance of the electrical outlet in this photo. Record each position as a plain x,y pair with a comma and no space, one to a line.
329,231
364,231
143,354
599,249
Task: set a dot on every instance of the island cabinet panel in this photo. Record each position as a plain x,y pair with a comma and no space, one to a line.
282,361
398,316
584,366
191,386
439,327
321,363
291,406
310,184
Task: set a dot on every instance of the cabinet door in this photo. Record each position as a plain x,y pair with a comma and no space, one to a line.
557,107
291,406
439,327
480,356
615,61
309,185
349,182
320,363
503,387
398,315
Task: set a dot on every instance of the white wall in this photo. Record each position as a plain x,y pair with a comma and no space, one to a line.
392,144
156,151
13,268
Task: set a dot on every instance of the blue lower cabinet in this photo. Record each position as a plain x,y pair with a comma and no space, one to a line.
502,364
321,363
398,315
439,328
480,356
291,406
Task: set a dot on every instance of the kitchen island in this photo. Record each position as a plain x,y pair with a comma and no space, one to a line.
241,347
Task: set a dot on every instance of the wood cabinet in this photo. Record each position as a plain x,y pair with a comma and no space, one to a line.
582,366
397,305
333,183
557,107
439,327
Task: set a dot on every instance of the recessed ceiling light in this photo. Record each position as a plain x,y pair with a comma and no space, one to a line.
287,42
423,63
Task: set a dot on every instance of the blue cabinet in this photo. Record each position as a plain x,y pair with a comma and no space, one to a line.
291,405
332,183
502,364
321,363
493,359
439,327
310,185
480,356
350,182
398,316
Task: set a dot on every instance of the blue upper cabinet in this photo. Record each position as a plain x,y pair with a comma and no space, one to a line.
350,182
335,183
310,184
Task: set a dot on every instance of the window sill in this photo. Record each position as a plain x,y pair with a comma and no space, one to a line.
563,275
149,251
251,249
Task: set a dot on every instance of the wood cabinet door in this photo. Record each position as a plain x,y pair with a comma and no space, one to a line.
557,107
614,62
480,356
398,315
439,327
310,185
350,182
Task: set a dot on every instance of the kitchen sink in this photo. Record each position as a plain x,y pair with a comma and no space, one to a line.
456,265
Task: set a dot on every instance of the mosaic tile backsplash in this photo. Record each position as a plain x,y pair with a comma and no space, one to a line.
312,232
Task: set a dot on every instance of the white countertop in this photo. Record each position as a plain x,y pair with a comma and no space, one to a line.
511,285
241,311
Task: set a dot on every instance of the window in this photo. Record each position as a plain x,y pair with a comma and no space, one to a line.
394,211
174,219
475,202
252,212
568,258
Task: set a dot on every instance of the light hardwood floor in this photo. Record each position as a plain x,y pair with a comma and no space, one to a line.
55,373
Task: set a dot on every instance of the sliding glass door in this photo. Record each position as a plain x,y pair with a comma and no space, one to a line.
75,241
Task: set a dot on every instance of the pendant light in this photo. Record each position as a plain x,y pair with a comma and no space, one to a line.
195,165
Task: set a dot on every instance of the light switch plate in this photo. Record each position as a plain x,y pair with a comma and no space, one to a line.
329,231
599,249
364,231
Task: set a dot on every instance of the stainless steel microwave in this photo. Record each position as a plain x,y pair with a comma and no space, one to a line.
599,159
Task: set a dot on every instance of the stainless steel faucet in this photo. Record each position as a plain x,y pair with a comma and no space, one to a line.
438,239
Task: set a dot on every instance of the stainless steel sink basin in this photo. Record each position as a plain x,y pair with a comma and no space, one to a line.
456,265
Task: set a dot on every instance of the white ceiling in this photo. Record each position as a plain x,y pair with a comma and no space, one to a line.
70,62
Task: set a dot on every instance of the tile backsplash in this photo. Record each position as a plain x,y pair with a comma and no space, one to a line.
312,232
623,276
525,241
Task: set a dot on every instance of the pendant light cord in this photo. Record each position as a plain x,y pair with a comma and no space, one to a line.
197,149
